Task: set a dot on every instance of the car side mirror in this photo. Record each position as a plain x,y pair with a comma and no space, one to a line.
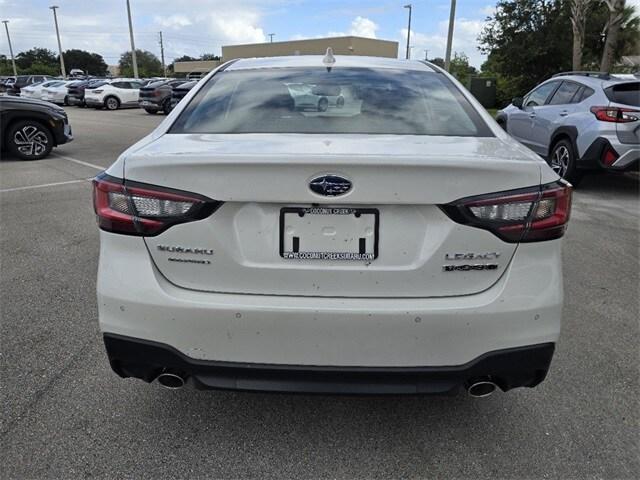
517,102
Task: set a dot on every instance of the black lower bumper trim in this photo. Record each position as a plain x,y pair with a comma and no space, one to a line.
509,368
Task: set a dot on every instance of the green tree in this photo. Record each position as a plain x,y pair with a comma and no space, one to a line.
527,41
439,61
41,56
148,64
460,68
185,58
90,63
38,68
210,56
5,65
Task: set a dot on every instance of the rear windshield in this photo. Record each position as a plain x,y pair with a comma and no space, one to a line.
625,93
350,100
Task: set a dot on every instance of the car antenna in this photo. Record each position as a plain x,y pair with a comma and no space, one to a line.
329,59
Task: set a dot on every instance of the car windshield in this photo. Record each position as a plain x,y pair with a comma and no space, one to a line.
318,100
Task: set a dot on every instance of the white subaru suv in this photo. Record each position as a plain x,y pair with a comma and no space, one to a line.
401,242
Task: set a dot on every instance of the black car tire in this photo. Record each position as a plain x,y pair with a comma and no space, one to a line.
323,104
166,106
112,103
66,101
152,111
562,160
29,140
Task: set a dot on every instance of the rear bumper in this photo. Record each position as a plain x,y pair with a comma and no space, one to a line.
509,368
628,156
523,308
150,104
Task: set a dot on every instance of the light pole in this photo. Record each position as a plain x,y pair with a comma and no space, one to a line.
55,20
13,61
133,45
271,35
408,30
452,19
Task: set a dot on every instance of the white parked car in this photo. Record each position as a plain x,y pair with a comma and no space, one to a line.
56,93
409,247
36,90
114,95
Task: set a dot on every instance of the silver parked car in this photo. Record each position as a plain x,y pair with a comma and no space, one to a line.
579,121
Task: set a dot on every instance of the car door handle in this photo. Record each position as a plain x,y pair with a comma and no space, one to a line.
564,113
532,115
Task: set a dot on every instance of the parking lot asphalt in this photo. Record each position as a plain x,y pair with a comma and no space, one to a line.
65,414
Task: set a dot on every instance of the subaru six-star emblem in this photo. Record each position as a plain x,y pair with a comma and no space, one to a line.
330,185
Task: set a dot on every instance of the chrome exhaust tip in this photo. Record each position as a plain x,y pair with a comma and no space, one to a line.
170,380
481,388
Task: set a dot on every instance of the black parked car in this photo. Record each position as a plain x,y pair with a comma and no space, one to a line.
25,81
156,96
180,91
29,129
76,90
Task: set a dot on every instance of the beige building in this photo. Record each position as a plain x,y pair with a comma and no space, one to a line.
199,66
113,70
317,46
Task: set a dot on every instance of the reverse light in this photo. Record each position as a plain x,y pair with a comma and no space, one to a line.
134,208
524,215
616,114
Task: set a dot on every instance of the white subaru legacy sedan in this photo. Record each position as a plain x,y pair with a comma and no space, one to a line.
395,241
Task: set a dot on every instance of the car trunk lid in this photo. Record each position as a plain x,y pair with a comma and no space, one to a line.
391,213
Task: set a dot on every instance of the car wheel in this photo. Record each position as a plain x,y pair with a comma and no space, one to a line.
340,102
112,103
166,106
29,140
152,111
563,161
65,102
323,104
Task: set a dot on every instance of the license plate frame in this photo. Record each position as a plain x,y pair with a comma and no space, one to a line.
331,256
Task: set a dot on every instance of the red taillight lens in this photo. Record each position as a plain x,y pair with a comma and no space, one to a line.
526,215
616,114
134,208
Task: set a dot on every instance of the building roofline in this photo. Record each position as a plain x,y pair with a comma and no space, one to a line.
342,37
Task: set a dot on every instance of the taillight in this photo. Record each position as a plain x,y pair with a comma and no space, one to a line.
616,114
133,208
525,215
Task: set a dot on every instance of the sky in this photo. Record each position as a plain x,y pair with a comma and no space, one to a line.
194,27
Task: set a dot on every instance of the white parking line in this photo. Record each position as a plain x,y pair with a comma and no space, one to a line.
30,187
80,162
